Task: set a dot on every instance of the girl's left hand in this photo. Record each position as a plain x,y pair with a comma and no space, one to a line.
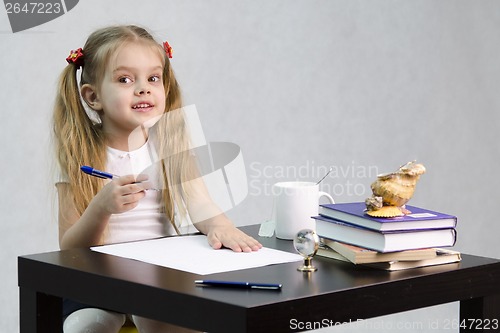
233,238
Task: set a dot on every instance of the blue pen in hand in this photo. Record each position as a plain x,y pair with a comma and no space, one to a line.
105,175
97,173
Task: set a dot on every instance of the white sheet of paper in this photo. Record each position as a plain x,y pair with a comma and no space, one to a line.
193,254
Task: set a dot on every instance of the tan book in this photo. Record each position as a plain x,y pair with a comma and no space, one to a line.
359,255
324,251
443,256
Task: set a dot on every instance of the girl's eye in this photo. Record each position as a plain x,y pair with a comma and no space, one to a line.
124,80
155,78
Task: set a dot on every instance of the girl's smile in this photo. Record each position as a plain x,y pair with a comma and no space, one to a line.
143,107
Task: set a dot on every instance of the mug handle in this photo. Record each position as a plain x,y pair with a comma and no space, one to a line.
328,196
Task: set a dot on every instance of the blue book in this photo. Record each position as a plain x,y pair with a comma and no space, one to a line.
420,218
383,241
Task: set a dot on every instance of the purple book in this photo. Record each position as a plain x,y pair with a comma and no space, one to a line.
383,241
420,218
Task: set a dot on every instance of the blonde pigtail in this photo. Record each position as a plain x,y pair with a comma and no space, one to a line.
172,89
173,152
78,141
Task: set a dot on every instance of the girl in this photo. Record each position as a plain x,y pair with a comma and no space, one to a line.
127,79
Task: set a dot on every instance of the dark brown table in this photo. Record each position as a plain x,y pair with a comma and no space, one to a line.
338,292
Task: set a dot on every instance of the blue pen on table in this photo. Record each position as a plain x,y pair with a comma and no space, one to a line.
238,284
105,175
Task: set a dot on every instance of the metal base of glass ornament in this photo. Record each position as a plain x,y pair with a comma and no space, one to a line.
307,267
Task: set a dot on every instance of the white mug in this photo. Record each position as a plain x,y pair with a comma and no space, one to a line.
294,205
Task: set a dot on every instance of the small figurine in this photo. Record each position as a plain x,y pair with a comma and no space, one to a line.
391,191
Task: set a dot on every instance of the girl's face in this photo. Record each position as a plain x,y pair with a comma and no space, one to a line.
132,90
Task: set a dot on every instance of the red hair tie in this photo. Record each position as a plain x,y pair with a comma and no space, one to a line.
75,57
168,49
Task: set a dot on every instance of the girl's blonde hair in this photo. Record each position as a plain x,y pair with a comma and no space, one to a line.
81,141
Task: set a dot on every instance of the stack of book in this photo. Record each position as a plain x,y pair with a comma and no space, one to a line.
414,238
390,261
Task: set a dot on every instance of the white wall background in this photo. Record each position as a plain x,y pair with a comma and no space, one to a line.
363,86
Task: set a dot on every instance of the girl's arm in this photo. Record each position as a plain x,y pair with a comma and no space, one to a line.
116,197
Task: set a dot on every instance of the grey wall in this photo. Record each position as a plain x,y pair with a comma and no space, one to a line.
363,86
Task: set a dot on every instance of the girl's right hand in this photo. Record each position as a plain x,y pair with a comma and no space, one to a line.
122,194
118,196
